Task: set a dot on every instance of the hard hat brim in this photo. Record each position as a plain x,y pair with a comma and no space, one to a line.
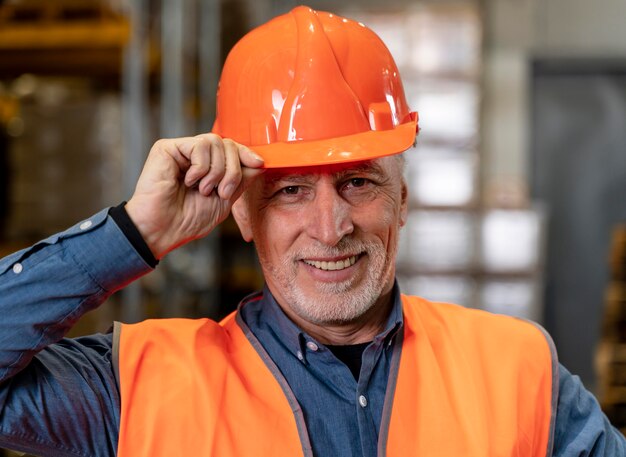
351,148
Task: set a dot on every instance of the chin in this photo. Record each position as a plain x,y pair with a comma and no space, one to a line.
339,304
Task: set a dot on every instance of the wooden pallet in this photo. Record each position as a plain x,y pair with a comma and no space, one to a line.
55,10
83,38
61,24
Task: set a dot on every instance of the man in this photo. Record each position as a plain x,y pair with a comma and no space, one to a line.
329,359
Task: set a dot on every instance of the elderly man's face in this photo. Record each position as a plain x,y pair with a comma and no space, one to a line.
327,236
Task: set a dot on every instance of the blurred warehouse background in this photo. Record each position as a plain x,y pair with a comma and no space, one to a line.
518,179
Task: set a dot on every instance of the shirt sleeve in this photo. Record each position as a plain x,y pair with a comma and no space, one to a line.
581,427
59,396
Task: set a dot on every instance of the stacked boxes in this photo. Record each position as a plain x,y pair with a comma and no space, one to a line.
65,161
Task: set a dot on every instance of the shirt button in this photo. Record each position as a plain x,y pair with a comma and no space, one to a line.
362,401
312,346
299,355
85,225
17,268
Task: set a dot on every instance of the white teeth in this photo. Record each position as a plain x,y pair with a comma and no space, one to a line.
331,266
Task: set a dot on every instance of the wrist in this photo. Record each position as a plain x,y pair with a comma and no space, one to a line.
129,229
147,229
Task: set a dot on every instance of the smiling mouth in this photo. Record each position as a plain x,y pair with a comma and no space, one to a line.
332,265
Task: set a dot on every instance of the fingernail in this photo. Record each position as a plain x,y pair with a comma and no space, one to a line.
256,156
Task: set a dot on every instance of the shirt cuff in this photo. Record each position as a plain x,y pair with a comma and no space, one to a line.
129,229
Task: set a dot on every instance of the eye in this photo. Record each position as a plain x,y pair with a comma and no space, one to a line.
291,193
359,189
357,182
290,190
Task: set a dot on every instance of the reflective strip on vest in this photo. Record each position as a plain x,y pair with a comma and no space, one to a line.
468,383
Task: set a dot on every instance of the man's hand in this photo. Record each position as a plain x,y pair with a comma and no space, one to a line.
187,188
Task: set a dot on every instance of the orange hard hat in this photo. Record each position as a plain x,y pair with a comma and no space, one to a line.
313,88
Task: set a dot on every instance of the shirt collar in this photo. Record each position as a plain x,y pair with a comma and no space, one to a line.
295,340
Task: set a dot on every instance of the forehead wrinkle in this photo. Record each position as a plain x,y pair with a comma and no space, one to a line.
306,174
291,177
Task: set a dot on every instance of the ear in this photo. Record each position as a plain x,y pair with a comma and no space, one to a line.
404,203
242,217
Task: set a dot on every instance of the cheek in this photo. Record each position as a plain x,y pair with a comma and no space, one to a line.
276,231
382,219
385,212
380,222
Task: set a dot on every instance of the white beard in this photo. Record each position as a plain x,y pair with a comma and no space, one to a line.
337,302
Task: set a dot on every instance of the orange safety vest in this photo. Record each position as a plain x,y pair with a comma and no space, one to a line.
465,383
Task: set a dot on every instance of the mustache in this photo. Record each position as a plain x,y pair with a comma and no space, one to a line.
345,247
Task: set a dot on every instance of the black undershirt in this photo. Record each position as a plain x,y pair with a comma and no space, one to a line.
129,229
351,355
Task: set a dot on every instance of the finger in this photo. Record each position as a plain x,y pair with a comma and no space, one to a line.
215,149
232,175
247,176
200,160
249,158
165,153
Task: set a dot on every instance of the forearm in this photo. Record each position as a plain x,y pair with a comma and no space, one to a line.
45,289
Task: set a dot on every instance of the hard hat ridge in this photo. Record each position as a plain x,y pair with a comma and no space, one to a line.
318,86
313,88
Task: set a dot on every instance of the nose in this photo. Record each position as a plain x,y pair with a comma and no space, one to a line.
331,215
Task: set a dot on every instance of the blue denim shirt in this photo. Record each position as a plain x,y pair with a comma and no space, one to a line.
322,383
59,397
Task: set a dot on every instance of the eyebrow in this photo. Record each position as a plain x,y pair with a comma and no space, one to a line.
365,167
